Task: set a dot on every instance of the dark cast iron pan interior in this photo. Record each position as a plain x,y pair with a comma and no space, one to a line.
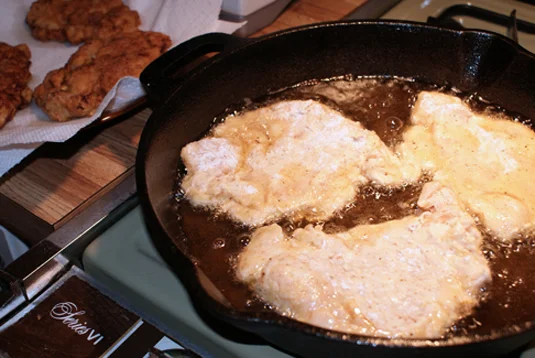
474,62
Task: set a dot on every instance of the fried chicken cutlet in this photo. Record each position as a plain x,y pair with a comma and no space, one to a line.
79,21
298,158
14,77
487,161
412,277
77,89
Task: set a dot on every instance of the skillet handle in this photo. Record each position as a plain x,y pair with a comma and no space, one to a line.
161,77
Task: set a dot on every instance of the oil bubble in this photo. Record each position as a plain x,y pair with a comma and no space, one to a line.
219,243
394,123
244,241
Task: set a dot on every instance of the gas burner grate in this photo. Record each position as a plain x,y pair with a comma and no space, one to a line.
513,25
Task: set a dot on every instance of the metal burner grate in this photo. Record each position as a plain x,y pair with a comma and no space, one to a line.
447,18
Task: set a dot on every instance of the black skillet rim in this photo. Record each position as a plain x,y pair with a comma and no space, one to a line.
241,318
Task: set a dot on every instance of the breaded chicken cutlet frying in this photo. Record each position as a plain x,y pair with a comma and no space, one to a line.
411,277
293,157
14,77
79,21
77,89
488,162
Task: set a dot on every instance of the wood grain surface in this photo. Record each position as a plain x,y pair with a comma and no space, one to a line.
58,180
306,12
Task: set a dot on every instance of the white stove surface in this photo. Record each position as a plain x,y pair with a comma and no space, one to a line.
124,260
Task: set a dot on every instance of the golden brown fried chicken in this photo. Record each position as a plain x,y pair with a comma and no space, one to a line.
77,89
79,21
14,77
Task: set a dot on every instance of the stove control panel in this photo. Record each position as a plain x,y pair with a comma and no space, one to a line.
75,319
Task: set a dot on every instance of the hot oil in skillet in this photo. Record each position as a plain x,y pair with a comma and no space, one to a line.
382,105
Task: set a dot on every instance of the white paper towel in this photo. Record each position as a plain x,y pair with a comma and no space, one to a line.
180,19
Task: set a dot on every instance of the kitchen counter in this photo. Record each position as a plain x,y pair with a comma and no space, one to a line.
59,180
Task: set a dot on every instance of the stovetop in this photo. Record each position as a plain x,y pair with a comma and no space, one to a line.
466,14
123,258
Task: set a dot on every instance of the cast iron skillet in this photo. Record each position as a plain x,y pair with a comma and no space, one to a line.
489,64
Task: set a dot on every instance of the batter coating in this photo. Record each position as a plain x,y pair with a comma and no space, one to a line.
14,77
77,89
78,21
298,158
411,278
488,162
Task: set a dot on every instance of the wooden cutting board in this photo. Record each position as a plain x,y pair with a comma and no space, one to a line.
59,180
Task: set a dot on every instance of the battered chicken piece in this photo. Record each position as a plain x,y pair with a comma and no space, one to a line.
79,21
488,162
77,89
14,77
292,157
410,278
